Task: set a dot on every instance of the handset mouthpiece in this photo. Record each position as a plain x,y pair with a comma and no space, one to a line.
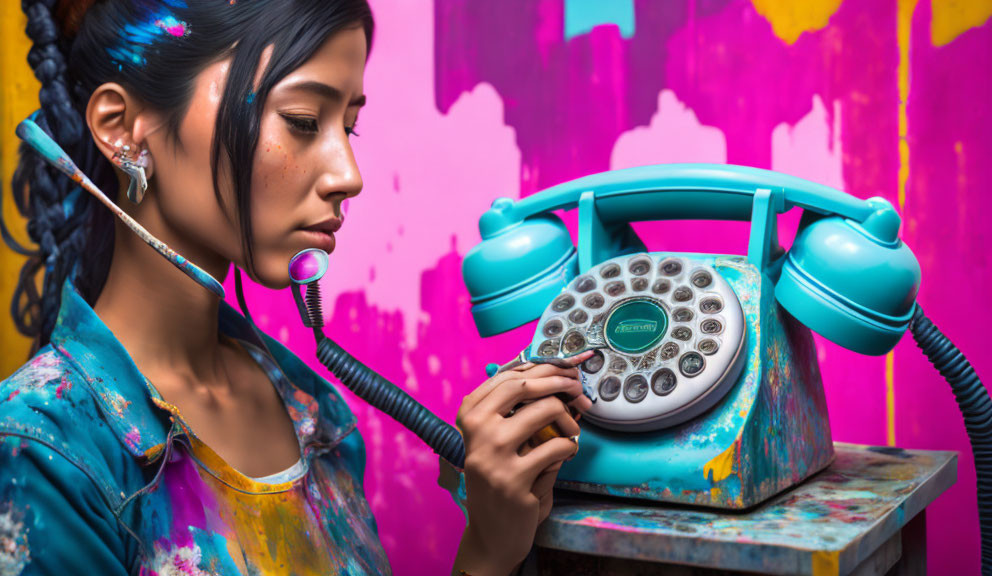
306,268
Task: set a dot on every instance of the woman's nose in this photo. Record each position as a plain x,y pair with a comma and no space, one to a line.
340,174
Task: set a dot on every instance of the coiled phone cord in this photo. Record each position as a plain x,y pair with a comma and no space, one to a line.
443,438
368,385
976,409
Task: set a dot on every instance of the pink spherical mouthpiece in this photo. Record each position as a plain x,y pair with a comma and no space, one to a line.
308,266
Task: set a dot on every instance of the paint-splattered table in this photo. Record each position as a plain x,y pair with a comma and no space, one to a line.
864,514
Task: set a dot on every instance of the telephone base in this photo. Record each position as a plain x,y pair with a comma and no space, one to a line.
770,432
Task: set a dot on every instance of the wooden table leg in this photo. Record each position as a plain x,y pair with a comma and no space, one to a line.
914,548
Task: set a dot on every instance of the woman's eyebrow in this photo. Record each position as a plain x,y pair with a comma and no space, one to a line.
321,89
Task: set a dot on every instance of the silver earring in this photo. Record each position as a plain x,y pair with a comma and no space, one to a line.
135,170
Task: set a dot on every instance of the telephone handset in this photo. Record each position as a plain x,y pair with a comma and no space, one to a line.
847,265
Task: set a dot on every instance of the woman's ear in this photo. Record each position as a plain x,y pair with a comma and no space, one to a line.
117,119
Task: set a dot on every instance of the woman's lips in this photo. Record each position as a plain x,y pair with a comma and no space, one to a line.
322,239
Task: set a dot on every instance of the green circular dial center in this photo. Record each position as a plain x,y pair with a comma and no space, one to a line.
636,326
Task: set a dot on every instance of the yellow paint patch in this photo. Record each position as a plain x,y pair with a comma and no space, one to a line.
826,563
951,18
721,466
790,18
18,98
904,23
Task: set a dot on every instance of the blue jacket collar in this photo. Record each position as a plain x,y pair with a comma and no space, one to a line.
142,419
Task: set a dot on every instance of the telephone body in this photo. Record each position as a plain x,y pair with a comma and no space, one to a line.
706,385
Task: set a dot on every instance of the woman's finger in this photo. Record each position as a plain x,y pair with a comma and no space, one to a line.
554,451
534,371
544,490
513,392
531,418
545,482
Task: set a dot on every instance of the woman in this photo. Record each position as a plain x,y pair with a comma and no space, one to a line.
153,432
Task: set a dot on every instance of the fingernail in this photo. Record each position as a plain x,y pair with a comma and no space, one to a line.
574,439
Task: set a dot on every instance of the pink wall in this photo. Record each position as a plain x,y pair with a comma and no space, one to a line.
473,100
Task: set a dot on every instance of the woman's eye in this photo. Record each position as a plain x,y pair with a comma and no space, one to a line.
305,124
350,130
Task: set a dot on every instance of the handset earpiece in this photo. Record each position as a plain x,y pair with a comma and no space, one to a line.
854,283
517,268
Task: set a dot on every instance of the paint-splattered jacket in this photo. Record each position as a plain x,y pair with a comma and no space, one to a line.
99,475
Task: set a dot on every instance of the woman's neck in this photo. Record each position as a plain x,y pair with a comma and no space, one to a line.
165,320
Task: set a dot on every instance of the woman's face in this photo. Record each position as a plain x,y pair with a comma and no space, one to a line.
304,167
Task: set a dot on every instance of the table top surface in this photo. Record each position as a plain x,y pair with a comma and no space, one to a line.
829,523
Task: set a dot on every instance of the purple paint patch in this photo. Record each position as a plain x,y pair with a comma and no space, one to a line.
176,28
64,386
133,438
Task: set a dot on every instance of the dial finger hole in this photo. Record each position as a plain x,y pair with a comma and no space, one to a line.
670,267
617,364
578,316
609,388
711,326
594,363
611,270
708,346
574,342
640,266
661,286
585,283
669,350
710,305
553,327
635,388
563,302
682,315
702,279
663,382
682,294
682,333
594,300
691,364
549,347
639,284
615,288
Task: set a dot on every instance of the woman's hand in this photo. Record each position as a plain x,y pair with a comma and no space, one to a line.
509,484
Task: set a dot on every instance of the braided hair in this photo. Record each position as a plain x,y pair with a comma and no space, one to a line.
155,49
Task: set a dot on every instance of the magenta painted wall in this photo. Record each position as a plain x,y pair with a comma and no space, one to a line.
473,100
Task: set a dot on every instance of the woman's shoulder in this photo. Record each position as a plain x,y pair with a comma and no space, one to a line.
43,388
47,402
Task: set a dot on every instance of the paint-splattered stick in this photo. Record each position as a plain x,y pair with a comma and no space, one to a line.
31,133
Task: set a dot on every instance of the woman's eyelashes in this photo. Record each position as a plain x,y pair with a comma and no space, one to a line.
302,124
308,125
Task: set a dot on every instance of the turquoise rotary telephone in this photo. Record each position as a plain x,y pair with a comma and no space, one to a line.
704,376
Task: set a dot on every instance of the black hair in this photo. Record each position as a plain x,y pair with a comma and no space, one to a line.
155,49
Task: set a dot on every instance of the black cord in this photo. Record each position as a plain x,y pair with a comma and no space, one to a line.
976,409
382,394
